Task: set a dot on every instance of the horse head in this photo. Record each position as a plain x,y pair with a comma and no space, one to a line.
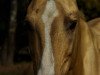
62,40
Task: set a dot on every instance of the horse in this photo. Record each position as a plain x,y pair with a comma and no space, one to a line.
64,43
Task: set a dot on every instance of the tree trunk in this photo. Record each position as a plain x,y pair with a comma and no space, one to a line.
11,34
4,53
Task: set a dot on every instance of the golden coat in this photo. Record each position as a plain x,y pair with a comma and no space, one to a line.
76,51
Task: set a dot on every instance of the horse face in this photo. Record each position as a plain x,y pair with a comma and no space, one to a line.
62,37
54,34
59,32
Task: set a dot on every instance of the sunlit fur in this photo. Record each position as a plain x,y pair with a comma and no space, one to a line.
88,55
77,51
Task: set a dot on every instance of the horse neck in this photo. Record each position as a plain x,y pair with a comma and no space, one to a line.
85,50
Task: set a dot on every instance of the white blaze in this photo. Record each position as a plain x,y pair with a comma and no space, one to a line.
47,64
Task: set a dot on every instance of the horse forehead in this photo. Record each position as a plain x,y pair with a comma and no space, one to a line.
50,11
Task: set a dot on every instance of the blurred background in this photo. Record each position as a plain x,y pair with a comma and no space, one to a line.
14,29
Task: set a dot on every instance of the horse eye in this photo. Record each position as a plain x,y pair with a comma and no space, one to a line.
71,24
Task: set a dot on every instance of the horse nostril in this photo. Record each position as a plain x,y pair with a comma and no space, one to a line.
72,24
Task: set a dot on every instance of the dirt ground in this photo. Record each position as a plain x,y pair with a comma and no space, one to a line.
18,69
